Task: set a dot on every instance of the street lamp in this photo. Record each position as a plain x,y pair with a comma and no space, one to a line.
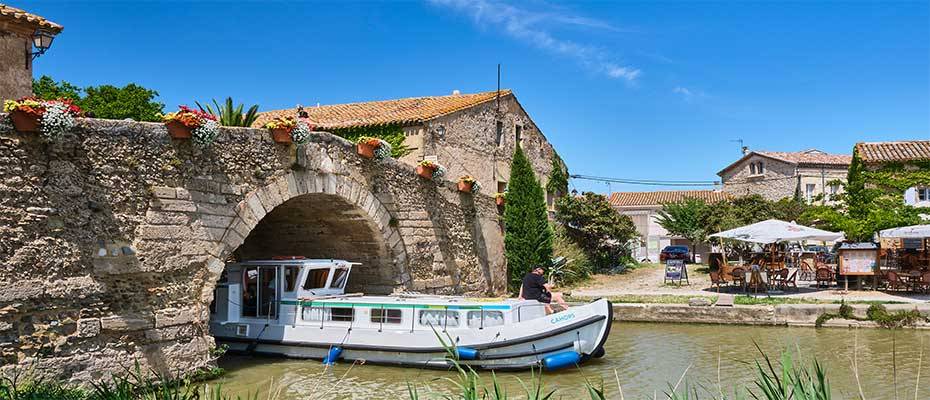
41,40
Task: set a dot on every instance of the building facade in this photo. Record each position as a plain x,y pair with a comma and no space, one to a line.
812,173
17,29
900,159
469,134
643,208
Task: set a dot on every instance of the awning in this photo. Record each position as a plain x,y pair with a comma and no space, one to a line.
913,231
773,231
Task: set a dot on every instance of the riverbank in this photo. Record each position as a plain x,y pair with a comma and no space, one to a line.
794,315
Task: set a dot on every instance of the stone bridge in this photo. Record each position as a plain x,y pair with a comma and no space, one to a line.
112,238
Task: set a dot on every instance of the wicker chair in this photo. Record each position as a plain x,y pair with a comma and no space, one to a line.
716,280
824,277
739,276
895,282
923,284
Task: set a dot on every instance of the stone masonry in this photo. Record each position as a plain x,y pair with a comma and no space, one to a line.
112,237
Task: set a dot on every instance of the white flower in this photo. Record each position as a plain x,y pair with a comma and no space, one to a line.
206,133
383,151
301,132
56,120
438,173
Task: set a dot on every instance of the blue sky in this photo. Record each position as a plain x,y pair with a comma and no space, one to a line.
644,90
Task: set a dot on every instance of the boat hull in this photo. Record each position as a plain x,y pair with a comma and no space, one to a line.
541,342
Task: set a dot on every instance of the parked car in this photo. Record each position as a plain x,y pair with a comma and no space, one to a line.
675,253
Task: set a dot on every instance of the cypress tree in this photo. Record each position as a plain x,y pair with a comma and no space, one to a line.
528,237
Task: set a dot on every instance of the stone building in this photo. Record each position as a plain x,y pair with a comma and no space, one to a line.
899,158
776,175
643,207
469,134
17,29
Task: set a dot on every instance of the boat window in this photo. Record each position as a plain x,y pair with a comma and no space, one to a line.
339,278
491,318
379,315
328,314
443,318
341,314
316,279
249,291
290,277
268,291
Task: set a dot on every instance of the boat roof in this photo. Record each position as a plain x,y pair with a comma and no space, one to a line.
297,261
423,301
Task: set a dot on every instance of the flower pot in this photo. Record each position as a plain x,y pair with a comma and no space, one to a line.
178,130
25,122
282,135
425,172
499,200
465,186
368,151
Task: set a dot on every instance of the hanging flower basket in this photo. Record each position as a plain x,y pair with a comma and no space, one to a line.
500,198
372,147
429,169
468,184
51,118
177,130
187,123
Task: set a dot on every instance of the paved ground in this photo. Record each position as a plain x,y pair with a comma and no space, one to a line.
647,280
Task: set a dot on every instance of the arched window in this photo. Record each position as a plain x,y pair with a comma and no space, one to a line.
761,168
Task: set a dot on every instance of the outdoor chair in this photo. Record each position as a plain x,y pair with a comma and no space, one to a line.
923,284
824,277
895,282
739,276
716,280
792,281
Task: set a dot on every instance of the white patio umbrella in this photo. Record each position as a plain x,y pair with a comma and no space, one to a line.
774,231
913,231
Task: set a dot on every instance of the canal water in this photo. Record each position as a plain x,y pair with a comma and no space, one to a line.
647,358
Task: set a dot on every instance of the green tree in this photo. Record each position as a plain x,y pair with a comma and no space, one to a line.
528,238
578,266
46,88
231,115
685,219
131,101
104,101
598,228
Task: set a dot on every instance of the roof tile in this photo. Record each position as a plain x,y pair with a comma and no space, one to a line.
901,151
631,199
401,111
25,17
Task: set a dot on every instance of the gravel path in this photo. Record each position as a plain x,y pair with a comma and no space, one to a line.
648,280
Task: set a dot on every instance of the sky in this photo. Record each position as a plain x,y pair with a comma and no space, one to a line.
635,90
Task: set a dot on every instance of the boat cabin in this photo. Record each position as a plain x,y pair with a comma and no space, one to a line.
298,291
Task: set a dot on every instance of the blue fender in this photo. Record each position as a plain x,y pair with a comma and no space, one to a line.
334,353
561,360
466,353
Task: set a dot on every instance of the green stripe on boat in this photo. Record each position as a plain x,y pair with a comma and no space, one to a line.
393,306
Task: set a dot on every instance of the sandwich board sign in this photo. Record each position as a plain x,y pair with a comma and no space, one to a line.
676,271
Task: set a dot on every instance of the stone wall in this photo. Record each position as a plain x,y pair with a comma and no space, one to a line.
15,67
113,237
778,180
465,142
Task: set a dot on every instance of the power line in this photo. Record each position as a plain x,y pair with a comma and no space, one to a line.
646,182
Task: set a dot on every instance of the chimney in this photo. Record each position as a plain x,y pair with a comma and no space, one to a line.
456,92
745,150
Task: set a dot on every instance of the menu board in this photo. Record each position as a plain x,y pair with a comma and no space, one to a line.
676,271
858,262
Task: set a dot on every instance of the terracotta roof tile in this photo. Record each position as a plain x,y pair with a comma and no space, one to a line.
809,157
401,111
632,199
27,18
879,152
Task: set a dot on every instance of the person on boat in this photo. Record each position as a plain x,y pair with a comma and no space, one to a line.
536,288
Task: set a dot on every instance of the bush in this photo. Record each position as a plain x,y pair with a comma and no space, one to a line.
578,266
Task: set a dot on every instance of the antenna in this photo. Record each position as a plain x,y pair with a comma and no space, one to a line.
740,141
498,87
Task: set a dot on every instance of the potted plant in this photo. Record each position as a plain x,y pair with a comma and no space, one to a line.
51,118
469,184
372,147
281,128
500,198
429,169
187,123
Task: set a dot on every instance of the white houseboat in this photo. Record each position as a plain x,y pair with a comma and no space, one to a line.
298,308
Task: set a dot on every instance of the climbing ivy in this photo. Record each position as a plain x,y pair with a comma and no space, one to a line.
558,177
393,134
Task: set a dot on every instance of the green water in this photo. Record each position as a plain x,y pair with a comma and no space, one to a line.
646,357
